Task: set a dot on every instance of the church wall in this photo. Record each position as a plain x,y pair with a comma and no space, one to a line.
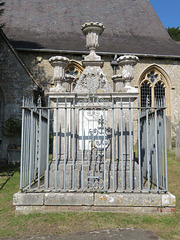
14,83
40,67
172,69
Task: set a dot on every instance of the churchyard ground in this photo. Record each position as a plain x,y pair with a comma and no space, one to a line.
166,226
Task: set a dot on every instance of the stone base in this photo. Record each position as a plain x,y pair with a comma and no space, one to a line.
121,202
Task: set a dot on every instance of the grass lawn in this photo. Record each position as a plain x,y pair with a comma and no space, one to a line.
165,226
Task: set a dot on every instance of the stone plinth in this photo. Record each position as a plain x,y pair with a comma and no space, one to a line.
78,201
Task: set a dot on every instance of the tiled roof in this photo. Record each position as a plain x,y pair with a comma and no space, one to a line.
131,26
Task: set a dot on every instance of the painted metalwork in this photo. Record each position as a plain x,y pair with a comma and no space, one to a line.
93,146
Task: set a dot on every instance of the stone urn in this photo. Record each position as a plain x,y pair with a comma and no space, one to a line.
92,31
127,62
59,63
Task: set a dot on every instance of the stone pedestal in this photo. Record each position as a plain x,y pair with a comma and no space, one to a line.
93,121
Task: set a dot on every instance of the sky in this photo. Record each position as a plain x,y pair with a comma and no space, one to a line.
168,12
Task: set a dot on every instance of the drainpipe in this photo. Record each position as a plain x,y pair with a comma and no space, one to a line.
115,64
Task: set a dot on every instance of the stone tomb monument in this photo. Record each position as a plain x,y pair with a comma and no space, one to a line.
93,167
87,144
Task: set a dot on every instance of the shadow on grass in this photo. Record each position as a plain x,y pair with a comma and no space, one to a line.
7,171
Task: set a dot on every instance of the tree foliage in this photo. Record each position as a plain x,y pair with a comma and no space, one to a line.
174,33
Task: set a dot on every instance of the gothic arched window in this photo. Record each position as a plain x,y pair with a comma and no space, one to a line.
74,69
153,88
159,93
145,94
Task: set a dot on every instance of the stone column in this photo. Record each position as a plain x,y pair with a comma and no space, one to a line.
118,83
127,62
59,63
67,83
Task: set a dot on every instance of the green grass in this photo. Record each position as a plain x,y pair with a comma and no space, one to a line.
165,226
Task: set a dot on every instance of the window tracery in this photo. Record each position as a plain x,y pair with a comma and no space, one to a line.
153,88
74,69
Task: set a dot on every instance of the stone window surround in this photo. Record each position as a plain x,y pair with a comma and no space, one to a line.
163,78
78,67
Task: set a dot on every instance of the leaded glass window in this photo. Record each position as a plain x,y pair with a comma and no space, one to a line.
145,94
152,88
159,93
74,69
152,76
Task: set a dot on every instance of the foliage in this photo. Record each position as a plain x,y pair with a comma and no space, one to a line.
174,33
11,127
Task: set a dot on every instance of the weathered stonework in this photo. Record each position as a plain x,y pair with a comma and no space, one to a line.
74,201
93,80
59,64
44,72
169,66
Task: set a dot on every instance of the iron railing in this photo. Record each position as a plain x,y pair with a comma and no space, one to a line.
93,146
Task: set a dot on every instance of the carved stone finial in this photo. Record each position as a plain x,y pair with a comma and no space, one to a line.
92,31
92,79
127,62
59,63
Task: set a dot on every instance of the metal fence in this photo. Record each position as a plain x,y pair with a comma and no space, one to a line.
153,148
34,144
93,146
